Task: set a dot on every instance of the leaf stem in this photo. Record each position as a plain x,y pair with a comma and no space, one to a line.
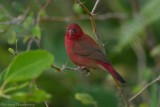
16,87
3,86
5,96
2,92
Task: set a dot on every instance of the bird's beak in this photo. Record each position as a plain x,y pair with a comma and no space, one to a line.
71,32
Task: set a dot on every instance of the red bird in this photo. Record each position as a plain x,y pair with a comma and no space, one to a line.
84,51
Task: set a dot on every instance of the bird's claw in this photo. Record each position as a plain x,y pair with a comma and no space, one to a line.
81,68
84,71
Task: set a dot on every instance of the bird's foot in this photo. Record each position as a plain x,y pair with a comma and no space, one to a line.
81,68
84,71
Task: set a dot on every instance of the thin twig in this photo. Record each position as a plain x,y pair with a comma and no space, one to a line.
41,10
144,88
16,20
46,103
124,97
99,17
89,14
100,42
95,6
84,17
120,89
3,86
74,69
135,6
64,67
29,44
16,51
93,24
56,68
81,69
38,40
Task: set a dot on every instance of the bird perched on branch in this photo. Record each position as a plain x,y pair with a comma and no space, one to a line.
84,51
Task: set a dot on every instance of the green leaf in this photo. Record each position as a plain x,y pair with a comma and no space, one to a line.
43,13
36,31
26,38
12,38
36,96
28,65
27,23
136,89
16,87
11,50
143,105
85,98
77,9
1,77
131,32
149,12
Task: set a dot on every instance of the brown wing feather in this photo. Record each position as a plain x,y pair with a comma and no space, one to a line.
87,47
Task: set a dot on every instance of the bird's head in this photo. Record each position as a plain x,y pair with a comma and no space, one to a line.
73,31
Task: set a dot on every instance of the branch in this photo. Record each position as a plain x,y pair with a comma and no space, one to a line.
90,14
120,89
64,67
56,68
84,17
135,6
95,6
38,40
37,20
41,10
144,88
17,20
30,44
92,22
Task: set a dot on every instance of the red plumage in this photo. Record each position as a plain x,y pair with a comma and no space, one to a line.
84,51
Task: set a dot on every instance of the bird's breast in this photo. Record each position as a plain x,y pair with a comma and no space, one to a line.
78,59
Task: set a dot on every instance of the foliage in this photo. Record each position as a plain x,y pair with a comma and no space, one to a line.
133,30
84,98
32,32
25,66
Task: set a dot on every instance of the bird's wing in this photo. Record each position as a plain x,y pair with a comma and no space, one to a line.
87,47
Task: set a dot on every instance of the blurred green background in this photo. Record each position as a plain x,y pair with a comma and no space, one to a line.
129,30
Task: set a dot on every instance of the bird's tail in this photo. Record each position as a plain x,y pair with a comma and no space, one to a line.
112,71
